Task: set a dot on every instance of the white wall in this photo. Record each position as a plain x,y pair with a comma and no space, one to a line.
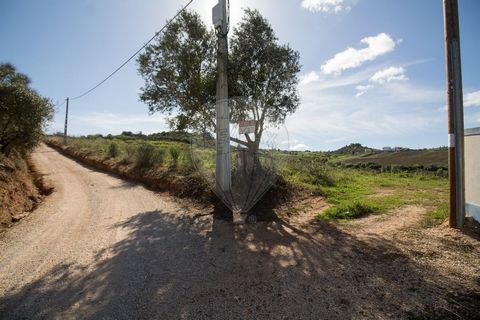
472,173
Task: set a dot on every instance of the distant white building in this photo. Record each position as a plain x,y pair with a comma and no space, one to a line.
387,149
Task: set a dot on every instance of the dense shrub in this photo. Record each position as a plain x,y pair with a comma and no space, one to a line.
192,162
373,166
113,151
319,174
441,172
174,155
147,157
130,151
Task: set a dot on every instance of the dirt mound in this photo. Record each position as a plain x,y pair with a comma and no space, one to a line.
21,189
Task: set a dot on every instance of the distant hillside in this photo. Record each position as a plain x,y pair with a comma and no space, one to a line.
430,157
353,149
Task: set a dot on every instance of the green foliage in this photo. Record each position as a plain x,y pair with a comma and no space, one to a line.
320,174
351,210
180,74
174,155
263,70
130,151
192,162
180,71
376,189
23,112
113,151
436,216
147,157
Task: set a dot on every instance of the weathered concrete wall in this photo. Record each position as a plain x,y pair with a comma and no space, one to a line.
472,172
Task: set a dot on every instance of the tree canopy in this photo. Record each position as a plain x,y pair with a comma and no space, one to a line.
179,71
23,112
180,74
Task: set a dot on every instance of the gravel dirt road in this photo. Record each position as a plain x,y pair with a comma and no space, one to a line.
102,248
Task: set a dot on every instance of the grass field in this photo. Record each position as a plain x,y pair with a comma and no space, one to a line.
351,192
356,192
407,158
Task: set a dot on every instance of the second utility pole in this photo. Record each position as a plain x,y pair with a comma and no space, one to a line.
66,124
456,164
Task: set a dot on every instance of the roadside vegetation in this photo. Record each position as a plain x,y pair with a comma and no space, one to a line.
355,192
351,192
23,116
162,161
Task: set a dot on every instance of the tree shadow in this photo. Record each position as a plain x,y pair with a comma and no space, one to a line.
175,267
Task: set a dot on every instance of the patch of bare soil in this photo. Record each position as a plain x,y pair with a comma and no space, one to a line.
437,267
390,222
302,211
382,193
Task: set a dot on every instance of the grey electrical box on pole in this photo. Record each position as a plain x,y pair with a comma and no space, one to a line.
456,162
66,124
222,165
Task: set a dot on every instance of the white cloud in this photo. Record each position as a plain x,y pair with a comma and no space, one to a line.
362,89
472,99
326,82
351,58
382,77
399,113
327,6
300,147
309,77
388,75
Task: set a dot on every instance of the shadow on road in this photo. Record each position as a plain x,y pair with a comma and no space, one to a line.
172,267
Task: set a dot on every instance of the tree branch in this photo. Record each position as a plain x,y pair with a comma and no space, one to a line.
246,144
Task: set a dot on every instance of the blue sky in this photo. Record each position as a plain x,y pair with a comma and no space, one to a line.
373,71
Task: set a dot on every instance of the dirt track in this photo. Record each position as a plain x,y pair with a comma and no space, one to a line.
100,247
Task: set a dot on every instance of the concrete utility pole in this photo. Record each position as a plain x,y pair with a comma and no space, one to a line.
456,162
222,167
66,123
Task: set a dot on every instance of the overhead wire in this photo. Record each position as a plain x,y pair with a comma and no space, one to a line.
58,105
133,55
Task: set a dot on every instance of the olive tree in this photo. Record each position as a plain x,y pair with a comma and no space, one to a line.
180,75
23,112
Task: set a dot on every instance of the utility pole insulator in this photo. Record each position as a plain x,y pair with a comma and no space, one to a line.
456,162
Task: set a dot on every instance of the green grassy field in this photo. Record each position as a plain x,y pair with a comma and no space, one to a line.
410,158
356,192
351,192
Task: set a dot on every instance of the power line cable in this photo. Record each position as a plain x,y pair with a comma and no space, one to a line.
133,55
58,105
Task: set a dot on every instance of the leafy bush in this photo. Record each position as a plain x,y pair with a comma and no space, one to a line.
113,150
174,155
352,210
192,161
373,166
319,174
23,112
441,172
147,157
130,151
